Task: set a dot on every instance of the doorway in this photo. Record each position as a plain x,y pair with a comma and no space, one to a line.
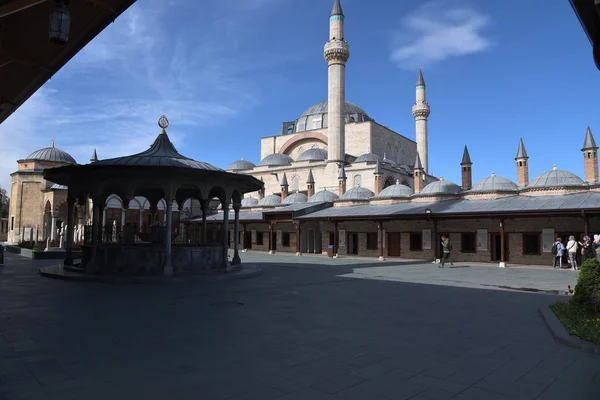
353,243
496,246
393,244
247,244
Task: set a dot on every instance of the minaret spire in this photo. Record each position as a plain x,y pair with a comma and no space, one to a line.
336,54
421,111
94,156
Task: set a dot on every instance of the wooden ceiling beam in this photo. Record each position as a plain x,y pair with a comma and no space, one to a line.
18,5
103,5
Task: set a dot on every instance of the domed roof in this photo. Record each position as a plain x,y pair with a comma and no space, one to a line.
397,190
352,113
368,157
358,193
295,198
495,183
270,200
555,178
323,195
314,154
441,187
52,154
276,159
389,162
241,165
249,202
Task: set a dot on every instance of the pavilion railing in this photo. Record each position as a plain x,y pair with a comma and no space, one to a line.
133,234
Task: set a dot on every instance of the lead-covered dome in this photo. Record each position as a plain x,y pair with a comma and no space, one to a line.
395,191
555,178
323,195
276,159
357,193
314,154
367,157
270,200
52,154
315,117
295,198
441,187
249,202
241,165
494,183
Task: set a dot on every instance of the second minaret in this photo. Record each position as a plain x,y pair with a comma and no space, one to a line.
336,53
421,112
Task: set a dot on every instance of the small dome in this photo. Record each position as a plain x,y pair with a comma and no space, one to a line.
314,154
249,202
389,162
241,165
495,183
358,193
323,195
368,157
295,198
555,178
441,187
270,200
315,117
52,154
397,190
276,159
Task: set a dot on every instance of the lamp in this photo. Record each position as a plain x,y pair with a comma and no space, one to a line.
60,22
428,211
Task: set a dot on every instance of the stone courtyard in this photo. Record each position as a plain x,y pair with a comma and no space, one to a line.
307,328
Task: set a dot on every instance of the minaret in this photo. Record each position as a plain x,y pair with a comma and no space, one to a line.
522,166
419,175
421,112
590,157
336,54
310,183
284,187
342,181
378,178
94,156
465,164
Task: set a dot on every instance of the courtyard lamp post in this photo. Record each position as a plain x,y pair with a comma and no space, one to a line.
60,22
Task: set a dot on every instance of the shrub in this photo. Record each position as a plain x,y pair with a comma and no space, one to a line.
587,290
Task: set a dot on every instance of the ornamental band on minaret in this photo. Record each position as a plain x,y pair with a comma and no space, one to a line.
421,112
336,54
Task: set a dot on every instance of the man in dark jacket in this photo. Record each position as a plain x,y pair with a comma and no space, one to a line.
446,250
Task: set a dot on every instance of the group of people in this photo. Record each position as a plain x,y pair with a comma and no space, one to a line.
587,248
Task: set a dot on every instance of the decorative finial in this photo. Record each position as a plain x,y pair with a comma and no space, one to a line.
52,142
397,181
493,174
554,168
163,123
441,178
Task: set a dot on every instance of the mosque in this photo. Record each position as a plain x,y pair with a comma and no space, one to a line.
338,182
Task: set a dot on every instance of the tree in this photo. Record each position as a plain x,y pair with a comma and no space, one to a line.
4,202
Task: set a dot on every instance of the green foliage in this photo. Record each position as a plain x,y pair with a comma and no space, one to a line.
4,201
587,290
578,322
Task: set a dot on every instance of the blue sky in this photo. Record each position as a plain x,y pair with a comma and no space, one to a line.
228,72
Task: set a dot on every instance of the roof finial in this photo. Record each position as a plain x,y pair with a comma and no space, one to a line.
554,168
163,123
441,178
493,174
420,80
397,181
52,142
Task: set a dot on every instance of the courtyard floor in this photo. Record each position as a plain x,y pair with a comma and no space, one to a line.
309,328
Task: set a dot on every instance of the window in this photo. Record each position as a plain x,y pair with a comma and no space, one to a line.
12,223
285,239
468,243
259,238
531,243
372,241
416,242
357,180
295,183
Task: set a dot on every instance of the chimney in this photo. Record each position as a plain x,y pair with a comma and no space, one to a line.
465,164
590,157
284,187
378,178
310,183
522,165
419,175
342,181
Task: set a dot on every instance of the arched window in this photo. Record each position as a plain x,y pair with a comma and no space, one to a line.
357,180
295,183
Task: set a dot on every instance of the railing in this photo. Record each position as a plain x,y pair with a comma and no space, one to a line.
132,234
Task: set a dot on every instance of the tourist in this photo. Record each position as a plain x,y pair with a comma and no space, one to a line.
596,246
446,250
558,249
572,252
587,251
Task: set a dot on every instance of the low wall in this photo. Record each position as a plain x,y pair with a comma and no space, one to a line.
39,255
144,259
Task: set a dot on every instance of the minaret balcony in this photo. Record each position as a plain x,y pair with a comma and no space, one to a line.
337,50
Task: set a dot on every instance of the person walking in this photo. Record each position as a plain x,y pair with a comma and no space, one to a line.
558,248
447,251
572,251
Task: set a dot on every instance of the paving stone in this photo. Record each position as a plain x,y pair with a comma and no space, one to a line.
474,393
338,384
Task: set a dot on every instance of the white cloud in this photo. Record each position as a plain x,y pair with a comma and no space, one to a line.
437,31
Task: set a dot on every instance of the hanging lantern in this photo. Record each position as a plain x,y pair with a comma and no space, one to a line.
60,23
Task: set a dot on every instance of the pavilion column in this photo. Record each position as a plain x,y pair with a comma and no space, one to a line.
502,255
70,229
103,217
95,223
123,211
236,236
271,251
298,238
203,236
53,228
225,234
336,238
168,268
380,240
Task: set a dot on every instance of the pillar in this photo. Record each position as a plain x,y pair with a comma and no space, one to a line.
271,239
236,234
225,206
123,211
70,226
380,240
298,238
435,242
243,236
168,268
53,228
586,225
336,238
502,255
204,206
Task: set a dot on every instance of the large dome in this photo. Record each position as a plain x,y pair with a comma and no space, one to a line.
276,159
555,178
323,195
315,117
295,198
494,183
395,191
314,154
358,193
52,154
440,187
241,165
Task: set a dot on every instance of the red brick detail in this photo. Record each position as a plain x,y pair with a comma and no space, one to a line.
300,137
